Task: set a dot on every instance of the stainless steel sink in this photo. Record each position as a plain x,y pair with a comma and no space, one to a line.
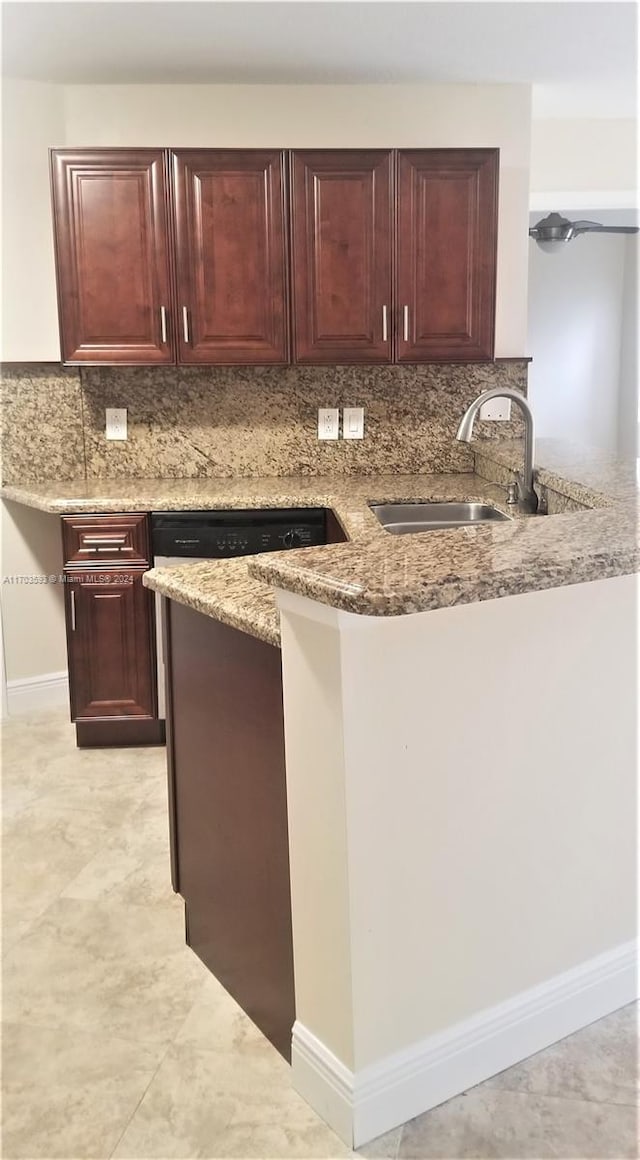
400,518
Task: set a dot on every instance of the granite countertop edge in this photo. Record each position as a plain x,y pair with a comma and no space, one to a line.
375,573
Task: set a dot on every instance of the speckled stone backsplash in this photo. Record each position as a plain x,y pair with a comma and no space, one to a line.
42,428
242,422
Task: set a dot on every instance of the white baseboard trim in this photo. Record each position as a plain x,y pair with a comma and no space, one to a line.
323,1081
32,694
360,1106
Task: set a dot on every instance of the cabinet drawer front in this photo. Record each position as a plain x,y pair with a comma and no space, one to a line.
105,539
110,644
112,255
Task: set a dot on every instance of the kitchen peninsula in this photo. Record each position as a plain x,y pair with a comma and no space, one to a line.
459,725
460,778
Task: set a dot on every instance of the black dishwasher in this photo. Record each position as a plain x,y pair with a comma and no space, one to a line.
190,537
220,534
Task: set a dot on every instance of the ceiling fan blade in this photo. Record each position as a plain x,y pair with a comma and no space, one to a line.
593,227
552,231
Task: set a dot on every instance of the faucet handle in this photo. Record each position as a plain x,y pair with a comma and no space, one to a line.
512,492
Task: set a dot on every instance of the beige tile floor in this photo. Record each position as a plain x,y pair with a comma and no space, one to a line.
117,1041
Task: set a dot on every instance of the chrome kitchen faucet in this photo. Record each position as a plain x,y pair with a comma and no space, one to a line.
526,496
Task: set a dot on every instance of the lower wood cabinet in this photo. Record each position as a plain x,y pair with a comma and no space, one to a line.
110,637
110,654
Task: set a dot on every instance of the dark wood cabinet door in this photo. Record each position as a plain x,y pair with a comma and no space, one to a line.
112,256
110,642
446,254
231,256
342,243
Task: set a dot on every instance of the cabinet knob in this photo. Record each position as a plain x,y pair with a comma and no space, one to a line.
384,324
163,323
405,324
73,610
185,323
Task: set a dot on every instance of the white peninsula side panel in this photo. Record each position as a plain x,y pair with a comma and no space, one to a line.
462,816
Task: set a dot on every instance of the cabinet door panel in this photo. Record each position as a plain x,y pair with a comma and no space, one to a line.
110,644
231,259
342,240
112,256
447,232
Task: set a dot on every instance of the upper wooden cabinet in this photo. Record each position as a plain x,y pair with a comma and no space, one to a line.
112,256
393,255
342,244
447,204
230,256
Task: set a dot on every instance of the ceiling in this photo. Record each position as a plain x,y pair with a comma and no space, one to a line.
580,56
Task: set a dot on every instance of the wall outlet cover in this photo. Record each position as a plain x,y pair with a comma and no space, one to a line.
353,423
328,422
499,409
116,422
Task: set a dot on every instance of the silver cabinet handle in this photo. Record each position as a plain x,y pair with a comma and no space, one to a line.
73,610
163,322
111,541
185,323
405,315
384,324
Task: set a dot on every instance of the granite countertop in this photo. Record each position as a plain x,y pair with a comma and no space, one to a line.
376,573
225,590
383,575
228,589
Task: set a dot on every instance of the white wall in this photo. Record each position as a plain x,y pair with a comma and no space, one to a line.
629,397
575,336
32,122
254,115
583,302
585,155
487,853
32,614
315,807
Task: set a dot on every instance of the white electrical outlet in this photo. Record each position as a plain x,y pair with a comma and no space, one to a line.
353,423
496,409
116,425
328,422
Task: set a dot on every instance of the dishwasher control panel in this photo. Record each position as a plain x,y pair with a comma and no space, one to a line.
211,534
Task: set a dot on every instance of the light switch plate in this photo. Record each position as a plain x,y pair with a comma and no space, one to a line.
353,423
328,422
496,409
